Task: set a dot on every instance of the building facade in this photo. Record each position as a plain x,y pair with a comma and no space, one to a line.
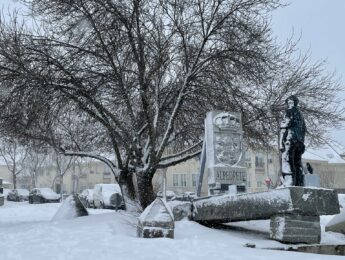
263,172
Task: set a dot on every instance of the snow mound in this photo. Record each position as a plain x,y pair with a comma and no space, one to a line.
157,211
70,208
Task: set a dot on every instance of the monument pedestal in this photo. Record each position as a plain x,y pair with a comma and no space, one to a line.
291,228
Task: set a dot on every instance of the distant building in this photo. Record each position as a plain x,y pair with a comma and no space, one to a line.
6,175
262,166
263,172
329,165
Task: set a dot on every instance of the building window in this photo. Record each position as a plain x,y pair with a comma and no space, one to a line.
194,179
183,180
175,180
259,162
179,180
106,173
248,156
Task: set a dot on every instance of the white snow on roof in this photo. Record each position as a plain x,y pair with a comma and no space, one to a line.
327,154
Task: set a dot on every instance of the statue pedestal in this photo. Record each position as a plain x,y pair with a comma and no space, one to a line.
290,228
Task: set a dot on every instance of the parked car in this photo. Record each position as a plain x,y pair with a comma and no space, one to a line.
170,195
43,195
18,195
107,196
187,196
86,197
5,192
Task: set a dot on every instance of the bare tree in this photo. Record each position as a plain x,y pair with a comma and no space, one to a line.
14,156
63,165
136,78
35,161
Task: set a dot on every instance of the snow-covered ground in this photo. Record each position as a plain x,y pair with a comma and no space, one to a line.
27,233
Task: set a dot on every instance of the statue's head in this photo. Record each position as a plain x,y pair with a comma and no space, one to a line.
291,101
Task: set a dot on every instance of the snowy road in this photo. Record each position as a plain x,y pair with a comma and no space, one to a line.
27,232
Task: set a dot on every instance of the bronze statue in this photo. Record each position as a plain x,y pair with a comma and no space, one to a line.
292,142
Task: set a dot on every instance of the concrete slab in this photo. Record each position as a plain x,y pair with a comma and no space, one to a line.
263,205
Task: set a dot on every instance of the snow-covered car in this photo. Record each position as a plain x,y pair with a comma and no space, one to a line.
86,197
170,195
107,196
5,192
18,195
186,196
189,196
43,195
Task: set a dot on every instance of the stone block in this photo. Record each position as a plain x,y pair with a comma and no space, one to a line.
295,229
263,205
156,221
181,209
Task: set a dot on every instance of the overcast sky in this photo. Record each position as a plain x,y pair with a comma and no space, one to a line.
320,25
318,22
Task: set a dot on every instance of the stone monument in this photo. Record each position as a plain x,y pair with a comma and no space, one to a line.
223,152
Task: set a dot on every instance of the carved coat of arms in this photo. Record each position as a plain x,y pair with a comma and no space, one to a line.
228,139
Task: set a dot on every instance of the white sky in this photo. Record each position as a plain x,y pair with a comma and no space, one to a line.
318,22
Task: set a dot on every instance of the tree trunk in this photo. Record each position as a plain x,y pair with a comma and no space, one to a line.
126,182
145,189
61,187
14,180
33,181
